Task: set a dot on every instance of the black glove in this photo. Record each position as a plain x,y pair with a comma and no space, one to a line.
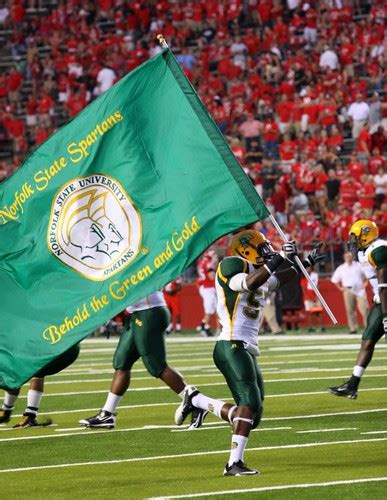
314,256
289,248
274,262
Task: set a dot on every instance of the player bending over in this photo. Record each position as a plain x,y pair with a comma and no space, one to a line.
372,254
35,392
144,339
243,282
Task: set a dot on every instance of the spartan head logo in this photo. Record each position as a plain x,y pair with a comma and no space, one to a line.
94,227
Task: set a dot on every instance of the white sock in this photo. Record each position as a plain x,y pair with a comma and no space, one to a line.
112,401
9,401
207,326
206,403
181,394
358,371
178,327
238,445
33,401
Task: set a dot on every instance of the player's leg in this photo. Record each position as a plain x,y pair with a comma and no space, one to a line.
9,401
36,389
372,334
125,356
150,342
241,372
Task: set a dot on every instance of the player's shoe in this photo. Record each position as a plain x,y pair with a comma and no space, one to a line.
343,390
186,406
5,416
104,419
29,420
197,418
238,469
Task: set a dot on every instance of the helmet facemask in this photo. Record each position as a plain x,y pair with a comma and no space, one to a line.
253,247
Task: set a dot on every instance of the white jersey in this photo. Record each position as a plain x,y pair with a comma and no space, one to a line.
155,299
240,313
368,266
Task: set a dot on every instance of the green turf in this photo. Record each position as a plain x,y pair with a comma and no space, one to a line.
152,458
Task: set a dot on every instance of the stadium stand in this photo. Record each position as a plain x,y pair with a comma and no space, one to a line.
296,87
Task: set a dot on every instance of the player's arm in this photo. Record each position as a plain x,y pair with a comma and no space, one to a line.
378,259
233,272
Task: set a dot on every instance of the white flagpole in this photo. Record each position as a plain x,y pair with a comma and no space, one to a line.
305,273
164,45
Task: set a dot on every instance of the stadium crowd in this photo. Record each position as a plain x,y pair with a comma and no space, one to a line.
296,86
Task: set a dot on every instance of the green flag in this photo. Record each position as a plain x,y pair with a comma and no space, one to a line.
109,209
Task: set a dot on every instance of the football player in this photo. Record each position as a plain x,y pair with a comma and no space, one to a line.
206,282
243,282
144,339
35,392
371,251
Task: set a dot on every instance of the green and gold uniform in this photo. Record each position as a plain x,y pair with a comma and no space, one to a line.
371,259
240,316
145,336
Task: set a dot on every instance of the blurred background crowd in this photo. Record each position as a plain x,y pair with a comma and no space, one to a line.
297,87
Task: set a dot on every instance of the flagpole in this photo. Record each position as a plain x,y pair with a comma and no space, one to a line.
305,273
164,45
162,42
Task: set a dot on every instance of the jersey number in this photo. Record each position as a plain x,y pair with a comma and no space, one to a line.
251,311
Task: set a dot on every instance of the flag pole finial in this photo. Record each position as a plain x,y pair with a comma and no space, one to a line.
162,41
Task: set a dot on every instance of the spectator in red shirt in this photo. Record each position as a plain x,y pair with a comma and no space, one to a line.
356,168
349,189
335,139
45,109
288,151
328,113
378,139
375,161
367,194
284,113
14,83
271,134
280,201
364,144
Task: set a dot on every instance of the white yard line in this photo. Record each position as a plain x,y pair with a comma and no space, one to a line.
217,374
224,424
91,432
213,384
375,432
274,488
327,430
188,455
210,369
79,367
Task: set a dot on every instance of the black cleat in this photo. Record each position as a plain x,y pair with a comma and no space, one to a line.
197,418
186,406
104,419
29,420
5,416
238,469
343,390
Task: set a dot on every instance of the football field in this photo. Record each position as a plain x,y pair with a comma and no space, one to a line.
310,444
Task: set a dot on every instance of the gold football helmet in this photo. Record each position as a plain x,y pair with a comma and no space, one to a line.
362,233
252,246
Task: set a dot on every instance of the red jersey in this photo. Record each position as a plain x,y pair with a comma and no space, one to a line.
349,190
206,269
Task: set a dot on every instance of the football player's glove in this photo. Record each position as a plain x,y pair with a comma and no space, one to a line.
314,257
289,248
